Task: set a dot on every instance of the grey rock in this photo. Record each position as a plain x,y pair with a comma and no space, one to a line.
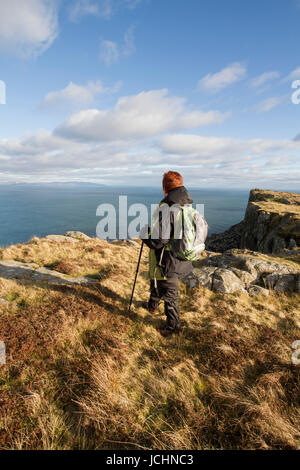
30,271
77,235
201,277
216,279
48,275
55,278
281,282
10,269
246,277
61,238
190,281
226,282
233,272
254,265
257,290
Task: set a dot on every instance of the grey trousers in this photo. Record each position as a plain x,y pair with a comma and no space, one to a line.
168,292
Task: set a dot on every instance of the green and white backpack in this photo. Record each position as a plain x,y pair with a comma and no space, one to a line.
190,233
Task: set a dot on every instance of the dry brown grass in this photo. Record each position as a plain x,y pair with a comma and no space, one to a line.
278,208
82,373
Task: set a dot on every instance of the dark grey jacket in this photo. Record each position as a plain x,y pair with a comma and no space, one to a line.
170,265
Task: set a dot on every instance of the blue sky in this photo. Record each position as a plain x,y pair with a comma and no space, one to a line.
119,91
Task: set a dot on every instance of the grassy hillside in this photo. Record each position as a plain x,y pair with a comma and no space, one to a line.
82,373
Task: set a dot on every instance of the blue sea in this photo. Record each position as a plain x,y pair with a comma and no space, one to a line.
28,210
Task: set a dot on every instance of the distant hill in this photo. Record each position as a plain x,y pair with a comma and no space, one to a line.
58,183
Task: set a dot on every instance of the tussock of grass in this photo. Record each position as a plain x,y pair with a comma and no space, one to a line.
82,373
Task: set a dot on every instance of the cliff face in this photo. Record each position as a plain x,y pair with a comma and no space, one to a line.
271,224
228,240
272,221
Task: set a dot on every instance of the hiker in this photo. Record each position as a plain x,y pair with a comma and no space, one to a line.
166,264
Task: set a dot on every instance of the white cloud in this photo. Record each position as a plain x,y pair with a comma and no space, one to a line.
111,52
81,8
224,161
220,161
101,8
216,82
207,147
268,104
265,77
143,115
131,4
74,95
201,145
27,27
128,47
294,75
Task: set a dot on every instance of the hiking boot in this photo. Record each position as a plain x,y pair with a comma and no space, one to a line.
166,332
145,305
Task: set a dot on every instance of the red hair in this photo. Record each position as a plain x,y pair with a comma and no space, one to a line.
172,180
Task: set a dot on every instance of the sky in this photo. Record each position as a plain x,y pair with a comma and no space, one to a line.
120,91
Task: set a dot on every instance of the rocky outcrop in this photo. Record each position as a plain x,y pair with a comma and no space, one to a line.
10,269
61,238
32,272
77,235
250,262
282,282
227,282
271,224
203,277
257,290
239,271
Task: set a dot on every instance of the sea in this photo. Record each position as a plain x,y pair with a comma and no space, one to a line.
28,210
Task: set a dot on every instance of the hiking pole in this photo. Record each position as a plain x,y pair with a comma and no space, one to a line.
136,274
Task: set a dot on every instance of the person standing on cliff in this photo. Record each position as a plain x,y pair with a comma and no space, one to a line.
170,258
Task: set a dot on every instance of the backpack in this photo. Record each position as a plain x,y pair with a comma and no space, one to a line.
190,234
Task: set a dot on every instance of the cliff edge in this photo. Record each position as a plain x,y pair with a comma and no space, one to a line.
271,224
